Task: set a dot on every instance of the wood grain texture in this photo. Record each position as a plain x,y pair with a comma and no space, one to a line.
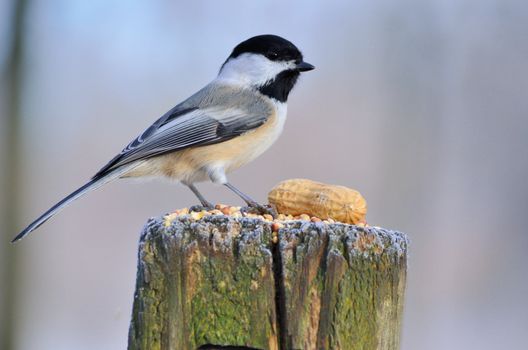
214,282
344,286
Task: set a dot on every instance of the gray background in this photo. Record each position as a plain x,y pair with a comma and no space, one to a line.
420,105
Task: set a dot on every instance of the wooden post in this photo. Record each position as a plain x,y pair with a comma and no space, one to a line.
221,281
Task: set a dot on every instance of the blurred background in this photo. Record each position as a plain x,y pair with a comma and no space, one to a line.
420,105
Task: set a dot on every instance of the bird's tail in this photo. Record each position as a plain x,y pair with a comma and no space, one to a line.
93,184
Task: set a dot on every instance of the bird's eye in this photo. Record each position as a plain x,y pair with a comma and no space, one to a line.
272,55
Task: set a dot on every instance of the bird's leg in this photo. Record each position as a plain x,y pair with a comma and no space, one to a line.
260,209
205,204
250,202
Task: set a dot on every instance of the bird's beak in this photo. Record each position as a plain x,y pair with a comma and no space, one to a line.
304,66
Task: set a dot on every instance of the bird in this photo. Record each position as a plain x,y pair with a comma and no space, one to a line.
223,126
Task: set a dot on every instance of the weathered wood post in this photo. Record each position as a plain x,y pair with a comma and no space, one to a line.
224,282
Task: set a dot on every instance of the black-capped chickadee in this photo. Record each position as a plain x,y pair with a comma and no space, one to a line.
225,125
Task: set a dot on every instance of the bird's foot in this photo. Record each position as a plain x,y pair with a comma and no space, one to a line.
201,207
259,209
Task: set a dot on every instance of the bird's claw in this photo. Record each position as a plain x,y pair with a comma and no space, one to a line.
259,209
201,207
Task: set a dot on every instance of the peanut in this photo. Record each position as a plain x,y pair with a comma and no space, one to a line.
327,202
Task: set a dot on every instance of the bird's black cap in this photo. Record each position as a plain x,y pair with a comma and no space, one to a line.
273,47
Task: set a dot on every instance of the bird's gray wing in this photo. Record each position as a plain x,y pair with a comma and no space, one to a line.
185,127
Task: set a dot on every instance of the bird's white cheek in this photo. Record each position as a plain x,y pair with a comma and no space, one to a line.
252,69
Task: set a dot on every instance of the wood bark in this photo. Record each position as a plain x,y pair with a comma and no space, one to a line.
221,283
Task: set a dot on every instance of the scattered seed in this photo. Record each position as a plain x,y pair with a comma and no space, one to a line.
304,217
197,215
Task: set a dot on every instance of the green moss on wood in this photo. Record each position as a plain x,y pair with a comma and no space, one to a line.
204,282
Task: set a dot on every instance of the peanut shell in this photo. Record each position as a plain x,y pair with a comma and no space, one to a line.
327,202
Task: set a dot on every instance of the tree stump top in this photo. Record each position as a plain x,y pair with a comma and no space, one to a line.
368,241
